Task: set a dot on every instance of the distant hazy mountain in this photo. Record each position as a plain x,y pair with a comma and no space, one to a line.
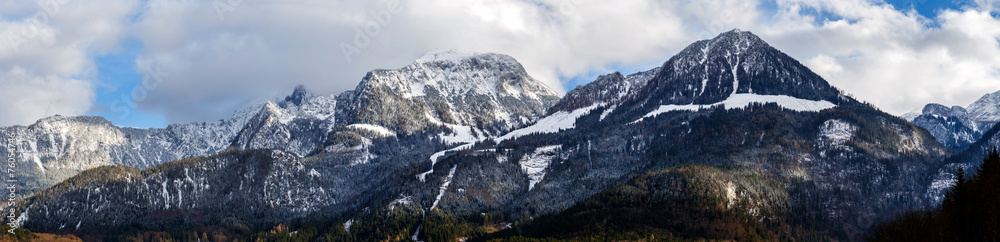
958,127
56,148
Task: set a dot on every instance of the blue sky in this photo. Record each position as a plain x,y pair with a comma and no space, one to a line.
82,63
118,76
928,8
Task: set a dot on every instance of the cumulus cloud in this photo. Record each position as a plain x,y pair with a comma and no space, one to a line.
46,55
893,58
265,48
28,96
221,54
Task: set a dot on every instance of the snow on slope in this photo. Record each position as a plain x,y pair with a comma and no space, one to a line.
374,128
434,159
461,134
745,99
444,187
606,112
445,56
556,122
837,131
534,164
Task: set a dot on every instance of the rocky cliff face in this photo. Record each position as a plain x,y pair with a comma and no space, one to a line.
953,127
298,124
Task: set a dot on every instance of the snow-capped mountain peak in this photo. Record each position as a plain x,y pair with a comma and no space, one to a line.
986,110
299,95
736,62
449,87
445,56
958,127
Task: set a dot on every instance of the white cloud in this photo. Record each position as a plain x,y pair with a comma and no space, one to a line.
891,58
46,55
265,47
28,97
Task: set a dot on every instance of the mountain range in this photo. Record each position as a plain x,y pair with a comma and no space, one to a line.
729,139
958,127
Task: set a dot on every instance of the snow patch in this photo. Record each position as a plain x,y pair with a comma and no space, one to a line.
833,135
314,173
730,194
415,234
444,187
403,200
836,131
374,128
416,89
745,99
943,181
606,112
19,221
534,164
460,134
283,116
434,159
364,155
166,195
556,122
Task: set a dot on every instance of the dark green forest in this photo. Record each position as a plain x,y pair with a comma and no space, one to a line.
969,212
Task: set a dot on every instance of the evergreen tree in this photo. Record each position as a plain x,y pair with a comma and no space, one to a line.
970,211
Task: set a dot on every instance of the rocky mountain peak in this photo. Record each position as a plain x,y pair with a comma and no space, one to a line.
298,96
941,110
740,65
609,89
986,109
959,127
490,91
951,126
455,72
